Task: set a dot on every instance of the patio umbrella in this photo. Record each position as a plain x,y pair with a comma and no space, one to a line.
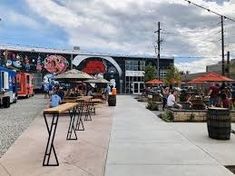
154,82
97,80
210,77
73,75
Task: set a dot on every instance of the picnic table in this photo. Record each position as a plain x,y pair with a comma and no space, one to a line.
74,125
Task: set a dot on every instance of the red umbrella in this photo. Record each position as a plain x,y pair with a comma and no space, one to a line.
154,82
210,77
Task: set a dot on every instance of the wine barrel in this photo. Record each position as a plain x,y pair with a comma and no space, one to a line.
112,100
219,123
6,102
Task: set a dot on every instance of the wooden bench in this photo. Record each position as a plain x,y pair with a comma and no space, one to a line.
74,125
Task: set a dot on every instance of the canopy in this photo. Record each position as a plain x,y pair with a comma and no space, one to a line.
73,75
154,82
210,77
97,80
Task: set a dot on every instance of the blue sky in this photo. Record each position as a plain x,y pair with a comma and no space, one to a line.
20,25
121,27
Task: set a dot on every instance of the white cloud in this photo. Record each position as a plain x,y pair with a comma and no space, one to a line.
127,26
13,17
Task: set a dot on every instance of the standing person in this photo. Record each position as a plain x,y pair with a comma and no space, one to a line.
225,102
61,92
107,91
165,93
46,89
171,100
214,95
50,90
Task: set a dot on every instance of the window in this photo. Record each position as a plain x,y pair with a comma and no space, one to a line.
135,65
28,80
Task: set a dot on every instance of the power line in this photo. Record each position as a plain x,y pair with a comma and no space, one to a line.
196,57
209,10
222,18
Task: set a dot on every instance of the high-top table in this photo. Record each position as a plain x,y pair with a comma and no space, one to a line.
74,123
86,106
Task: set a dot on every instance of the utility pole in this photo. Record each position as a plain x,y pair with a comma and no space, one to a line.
228,64
222,44
158,49
222,27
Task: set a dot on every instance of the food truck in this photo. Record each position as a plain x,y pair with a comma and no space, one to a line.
24,84
8,87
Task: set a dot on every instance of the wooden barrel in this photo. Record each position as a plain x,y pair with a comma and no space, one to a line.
219,123
112,100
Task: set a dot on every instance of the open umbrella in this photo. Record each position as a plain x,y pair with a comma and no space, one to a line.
97,80
154,82
73,75
210,77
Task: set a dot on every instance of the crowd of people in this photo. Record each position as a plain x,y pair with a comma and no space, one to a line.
219,96
56,92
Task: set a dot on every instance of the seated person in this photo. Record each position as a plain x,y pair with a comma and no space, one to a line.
72,93
171,102
55,100
90,92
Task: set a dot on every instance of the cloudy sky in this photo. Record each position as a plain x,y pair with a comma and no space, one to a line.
123,27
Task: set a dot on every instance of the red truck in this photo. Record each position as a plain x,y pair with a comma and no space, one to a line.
25,86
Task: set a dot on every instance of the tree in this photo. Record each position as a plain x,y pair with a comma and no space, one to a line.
149,72
172,76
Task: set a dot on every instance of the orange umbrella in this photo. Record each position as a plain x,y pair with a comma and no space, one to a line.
154,82
210,77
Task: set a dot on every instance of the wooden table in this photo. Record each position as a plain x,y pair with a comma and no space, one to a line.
96,100
74,124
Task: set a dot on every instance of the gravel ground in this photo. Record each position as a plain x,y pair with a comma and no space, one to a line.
14,120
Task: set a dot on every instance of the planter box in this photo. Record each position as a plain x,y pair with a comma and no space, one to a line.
182,115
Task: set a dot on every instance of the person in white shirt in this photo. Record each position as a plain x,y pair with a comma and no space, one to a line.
171,102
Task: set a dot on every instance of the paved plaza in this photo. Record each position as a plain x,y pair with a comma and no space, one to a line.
142,144
126,140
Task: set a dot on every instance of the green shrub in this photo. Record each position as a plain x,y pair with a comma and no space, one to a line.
191,118
152,106
167,116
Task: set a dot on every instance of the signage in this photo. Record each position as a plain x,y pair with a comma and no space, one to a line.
134,73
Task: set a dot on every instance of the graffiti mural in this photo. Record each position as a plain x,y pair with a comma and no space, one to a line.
94,67
34,62
55,64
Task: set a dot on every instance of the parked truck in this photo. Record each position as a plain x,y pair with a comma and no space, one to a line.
8,87
24,84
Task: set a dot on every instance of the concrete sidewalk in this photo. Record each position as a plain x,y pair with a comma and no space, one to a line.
83,157
142,144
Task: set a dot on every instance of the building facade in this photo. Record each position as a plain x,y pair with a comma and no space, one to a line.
229,68
126,73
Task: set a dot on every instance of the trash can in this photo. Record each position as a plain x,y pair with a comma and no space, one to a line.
6,102
219,123
112,100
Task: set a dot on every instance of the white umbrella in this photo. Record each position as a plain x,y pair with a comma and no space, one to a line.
73,75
